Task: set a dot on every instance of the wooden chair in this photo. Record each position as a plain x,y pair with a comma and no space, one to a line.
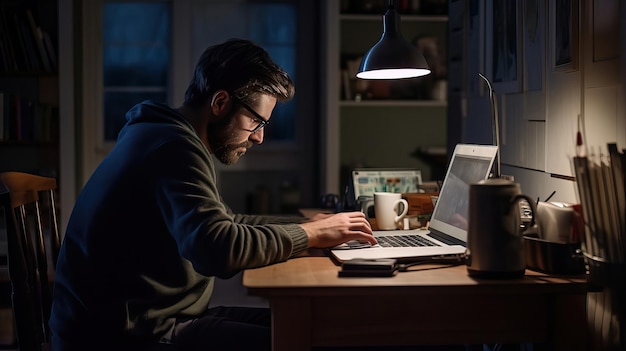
29,211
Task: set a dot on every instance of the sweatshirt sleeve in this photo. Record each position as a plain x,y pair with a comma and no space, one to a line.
214,240
289,223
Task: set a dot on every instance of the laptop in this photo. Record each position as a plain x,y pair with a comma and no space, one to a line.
447,232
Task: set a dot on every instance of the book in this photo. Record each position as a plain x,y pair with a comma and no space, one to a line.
583,182
618,183
8,44
37,37
27,120
4,63
19,48
52,55
1,115
609,209
28,42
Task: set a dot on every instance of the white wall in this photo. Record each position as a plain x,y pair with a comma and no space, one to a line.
539,123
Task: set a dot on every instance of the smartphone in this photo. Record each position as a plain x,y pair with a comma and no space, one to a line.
363,267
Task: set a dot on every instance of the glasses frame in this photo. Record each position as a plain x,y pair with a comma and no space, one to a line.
262,121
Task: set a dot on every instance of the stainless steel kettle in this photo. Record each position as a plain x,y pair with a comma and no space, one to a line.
495,233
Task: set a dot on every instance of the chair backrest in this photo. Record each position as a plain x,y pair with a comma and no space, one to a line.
29,205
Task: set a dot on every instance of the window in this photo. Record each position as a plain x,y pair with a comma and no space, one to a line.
272,25
148,51
137,52
136,58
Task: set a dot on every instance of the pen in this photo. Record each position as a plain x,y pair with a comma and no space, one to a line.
550,196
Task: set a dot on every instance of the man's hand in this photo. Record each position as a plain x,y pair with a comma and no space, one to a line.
321,215
336,229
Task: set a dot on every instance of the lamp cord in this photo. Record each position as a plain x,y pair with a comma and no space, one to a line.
445,261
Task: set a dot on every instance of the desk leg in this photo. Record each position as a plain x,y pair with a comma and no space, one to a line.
568,324
291,324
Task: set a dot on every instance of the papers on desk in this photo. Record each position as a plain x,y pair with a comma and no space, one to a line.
601,189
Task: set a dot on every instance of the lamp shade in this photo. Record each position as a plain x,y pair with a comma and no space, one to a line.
392,57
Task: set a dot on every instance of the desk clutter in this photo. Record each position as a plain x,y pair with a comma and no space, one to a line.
600,182
554,245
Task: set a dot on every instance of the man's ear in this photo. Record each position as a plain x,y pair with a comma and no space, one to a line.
221,103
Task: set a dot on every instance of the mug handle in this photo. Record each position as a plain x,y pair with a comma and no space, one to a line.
405,209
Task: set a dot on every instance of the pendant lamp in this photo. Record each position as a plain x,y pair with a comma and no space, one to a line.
392,57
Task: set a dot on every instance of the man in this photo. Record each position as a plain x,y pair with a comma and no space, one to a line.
149,231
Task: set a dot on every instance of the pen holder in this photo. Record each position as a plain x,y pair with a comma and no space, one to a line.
606,303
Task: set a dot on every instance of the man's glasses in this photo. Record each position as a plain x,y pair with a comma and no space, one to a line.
262,121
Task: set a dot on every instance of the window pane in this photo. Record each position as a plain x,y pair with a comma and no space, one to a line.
283,117
117,104
120,21
273,23
136,58
135,65
282,125
273,26
285,56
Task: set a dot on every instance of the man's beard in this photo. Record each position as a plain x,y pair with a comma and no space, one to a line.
227,153
221,138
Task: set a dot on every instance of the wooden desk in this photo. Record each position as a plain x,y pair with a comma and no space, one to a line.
311,307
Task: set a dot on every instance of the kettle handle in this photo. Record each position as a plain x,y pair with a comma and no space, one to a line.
531,203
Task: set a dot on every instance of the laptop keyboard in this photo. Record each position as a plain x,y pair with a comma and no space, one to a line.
404,241
450,240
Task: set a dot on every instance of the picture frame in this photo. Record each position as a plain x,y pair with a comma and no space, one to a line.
503,54
565,19
533,41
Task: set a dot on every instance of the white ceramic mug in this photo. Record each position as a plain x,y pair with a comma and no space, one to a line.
387,211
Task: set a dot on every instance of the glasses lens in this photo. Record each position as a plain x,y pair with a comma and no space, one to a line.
260,126
257,117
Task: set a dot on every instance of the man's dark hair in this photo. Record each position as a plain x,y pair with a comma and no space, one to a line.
241,68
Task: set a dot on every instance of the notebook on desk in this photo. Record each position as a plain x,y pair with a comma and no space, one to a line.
447,232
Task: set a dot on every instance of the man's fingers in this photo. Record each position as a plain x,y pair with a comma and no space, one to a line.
360,236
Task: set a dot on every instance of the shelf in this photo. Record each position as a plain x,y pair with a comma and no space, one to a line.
401,114
395,103
28,144
407,18
26,74
29,87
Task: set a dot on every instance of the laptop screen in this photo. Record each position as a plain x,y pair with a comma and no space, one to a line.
469,164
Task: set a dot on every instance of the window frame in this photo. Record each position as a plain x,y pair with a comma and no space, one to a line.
94,146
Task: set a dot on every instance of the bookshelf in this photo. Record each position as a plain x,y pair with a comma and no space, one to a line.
29,102
382,123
